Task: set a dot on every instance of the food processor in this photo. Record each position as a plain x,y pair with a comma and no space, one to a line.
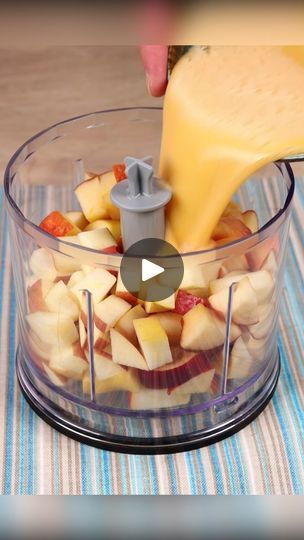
223,371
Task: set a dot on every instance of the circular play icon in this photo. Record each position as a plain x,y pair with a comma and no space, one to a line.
152,270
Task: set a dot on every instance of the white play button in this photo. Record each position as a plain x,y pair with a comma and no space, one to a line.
150,270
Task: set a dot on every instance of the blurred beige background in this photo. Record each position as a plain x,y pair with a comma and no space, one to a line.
39,87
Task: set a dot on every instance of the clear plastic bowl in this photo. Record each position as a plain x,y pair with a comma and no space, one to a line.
225,373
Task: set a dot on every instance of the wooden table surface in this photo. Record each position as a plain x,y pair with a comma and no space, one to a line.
43,86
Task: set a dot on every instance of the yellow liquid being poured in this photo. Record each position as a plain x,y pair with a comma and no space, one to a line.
227,112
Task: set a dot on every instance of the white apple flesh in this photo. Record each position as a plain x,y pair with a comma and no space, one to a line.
153,342
125,353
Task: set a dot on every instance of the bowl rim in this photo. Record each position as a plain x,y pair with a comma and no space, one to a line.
45,239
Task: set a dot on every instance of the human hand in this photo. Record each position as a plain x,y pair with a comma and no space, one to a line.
155,59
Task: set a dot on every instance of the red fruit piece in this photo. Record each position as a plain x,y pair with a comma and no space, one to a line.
56,224
186,301
119,171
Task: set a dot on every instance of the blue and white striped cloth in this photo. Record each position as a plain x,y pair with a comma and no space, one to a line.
264,458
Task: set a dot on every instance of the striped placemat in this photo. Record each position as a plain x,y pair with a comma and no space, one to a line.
264,458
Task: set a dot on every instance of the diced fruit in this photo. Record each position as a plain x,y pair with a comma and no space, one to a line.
53,328
198,277
186,301
56,379
161,305
122,292
250,219
119,171
77,218
125,353
42,264
261,281
58,225
75,278
101,340
172,324
39,350
92,196
113,225
230,227
112,211
64,263
82,333
99,239
58,300
176,373
110,377
98,282
109,311
153,342
68,364
239,262
197,385
258,255
258,348
244,302
37,293
125,325
203,330
266,322
156,399
240,364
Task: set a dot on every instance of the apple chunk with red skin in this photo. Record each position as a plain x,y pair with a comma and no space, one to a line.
204,330
113,225
37,293
156,399
244,302
108,312
93,196
99,239
125,324
58,225
153,342
125,353
172,324
177,373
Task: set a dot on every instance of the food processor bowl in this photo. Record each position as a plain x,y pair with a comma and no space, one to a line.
219,379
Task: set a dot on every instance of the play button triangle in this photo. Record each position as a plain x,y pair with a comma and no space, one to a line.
150,270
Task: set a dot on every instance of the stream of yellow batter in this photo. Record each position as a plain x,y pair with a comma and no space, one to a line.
227,112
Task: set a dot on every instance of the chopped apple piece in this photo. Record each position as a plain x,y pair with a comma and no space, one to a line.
42,265
240,364
186,301
77,218
64,263
125,325
258,347
40,351
125,353
177,373
56,379
110,377
161,305
69,365
101,340
123,292
37,293
58,225
82,333
261,281
98,282
172,324
261,329
90,195
53,328
156,399
119,171
197,277
109,311
244,302
196,385
258,255
58,300
75,278
203,330
153,342
223,283
113,225
238,262
99,239
230,227
250,219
